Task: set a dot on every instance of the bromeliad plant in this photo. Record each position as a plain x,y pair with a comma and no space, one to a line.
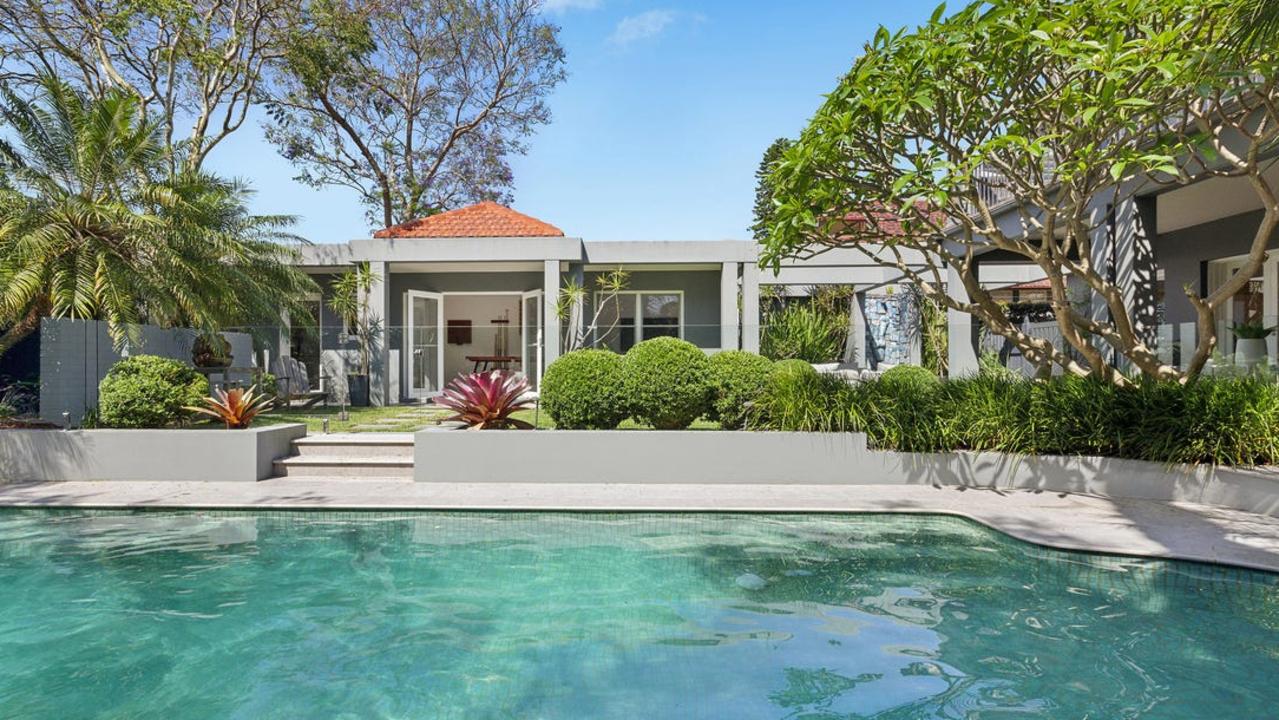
237,407
486,401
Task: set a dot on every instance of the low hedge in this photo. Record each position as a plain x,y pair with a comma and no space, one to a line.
146,391
909,375
667,382
583,390
1228,421
738,378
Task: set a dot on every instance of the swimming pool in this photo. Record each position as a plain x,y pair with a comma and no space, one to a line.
564,615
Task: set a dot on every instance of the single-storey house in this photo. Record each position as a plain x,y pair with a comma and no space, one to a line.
481,286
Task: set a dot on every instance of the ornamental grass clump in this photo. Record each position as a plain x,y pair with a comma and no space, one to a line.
799,399
804,332
147,391
738,378
1072,415
989,412
1227,421
487,400
584,390
667,382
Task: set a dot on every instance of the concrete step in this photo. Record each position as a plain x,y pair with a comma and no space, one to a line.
347,467
356,445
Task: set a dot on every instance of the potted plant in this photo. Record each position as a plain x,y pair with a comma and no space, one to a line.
211,350
350,301
1250,342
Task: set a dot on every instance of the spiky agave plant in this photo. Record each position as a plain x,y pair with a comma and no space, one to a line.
237,407
486,401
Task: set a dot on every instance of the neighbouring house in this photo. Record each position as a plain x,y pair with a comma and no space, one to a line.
480,287
1156,243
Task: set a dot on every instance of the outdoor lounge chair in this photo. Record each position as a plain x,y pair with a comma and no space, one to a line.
293,383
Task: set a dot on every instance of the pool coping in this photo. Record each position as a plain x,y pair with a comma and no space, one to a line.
1068,521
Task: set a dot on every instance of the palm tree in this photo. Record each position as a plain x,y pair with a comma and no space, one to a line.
1253,25
93,225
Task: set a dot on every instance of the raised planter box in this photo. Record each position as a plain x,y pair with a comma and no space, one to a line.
177,455
567,456
635,456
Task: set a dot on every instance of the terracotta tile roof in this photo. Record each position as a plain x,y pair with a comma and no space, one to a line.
1040,284
889,221
486,219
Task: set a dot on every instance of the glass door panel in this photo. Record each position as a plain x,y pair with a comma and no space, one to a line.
531,336
425,350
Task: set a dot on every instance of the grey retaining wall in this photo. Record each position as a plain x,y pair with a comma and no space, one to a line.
813,458
192,455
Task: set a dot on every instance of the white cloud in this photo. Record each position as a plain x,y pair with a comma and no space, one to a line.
559,6
641,27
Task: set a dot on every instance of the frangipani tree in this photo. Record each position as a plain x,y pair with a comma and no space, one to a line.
1050,113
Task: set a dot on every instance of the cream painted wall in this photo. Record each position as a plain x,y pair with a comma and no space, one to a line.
481,310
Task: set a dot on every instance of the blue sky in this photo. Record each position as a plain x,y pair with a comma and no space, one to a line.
658,130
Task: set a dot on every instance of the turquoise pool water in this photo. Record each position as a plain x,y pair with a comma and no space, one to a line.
469,615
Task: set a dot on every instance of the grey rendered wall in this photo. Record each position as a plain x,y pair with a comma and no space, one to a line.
701,299
457,282
76,354
146,455
696,457
1182,252
618,456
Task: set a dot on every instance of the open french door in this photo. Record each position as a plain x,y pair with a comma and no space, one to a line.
424,318
531,335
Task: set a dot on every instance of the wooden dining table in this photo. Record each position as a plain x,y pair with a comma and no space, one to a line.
485,362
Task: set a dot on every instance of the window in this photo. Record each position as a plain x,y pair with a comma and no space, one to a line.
639,314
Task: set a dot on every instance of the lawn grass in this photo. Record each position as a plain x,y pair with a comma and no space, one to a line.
362,419
366,419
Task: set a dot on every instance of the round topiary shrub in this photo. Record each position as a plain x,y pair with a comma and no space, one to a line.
667,382
909,375
738,377
583,391
145,391
792,367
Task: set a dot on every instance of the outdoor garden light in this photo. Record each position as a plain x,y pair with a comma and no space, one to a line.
342,415
326,426
66,419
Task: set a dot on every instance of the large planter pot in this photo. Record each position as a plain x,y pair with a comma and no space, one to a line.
357,389
1250,351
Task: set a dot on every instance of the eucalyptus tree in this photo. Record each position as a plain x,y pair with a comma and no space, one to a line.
1048,112
196,67
94,225
415,105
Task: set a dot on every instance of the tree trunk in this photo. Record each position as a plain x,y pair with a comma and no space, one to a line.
21,329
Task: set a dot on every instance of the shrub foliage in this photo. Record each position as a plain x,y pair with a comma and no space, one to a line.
1228,421
583,390
808,332
738,378
667,382
146,391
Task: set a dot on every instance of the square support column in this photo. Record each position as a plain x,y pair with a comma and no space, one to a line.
855,350
550,312
750,307
728,310
379,305
960,329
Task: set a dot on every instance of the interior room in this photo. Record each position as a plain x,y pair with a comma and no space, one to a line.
481,331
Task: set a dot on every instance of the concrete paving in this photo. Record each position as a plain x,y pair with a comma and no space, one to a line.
1070,521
